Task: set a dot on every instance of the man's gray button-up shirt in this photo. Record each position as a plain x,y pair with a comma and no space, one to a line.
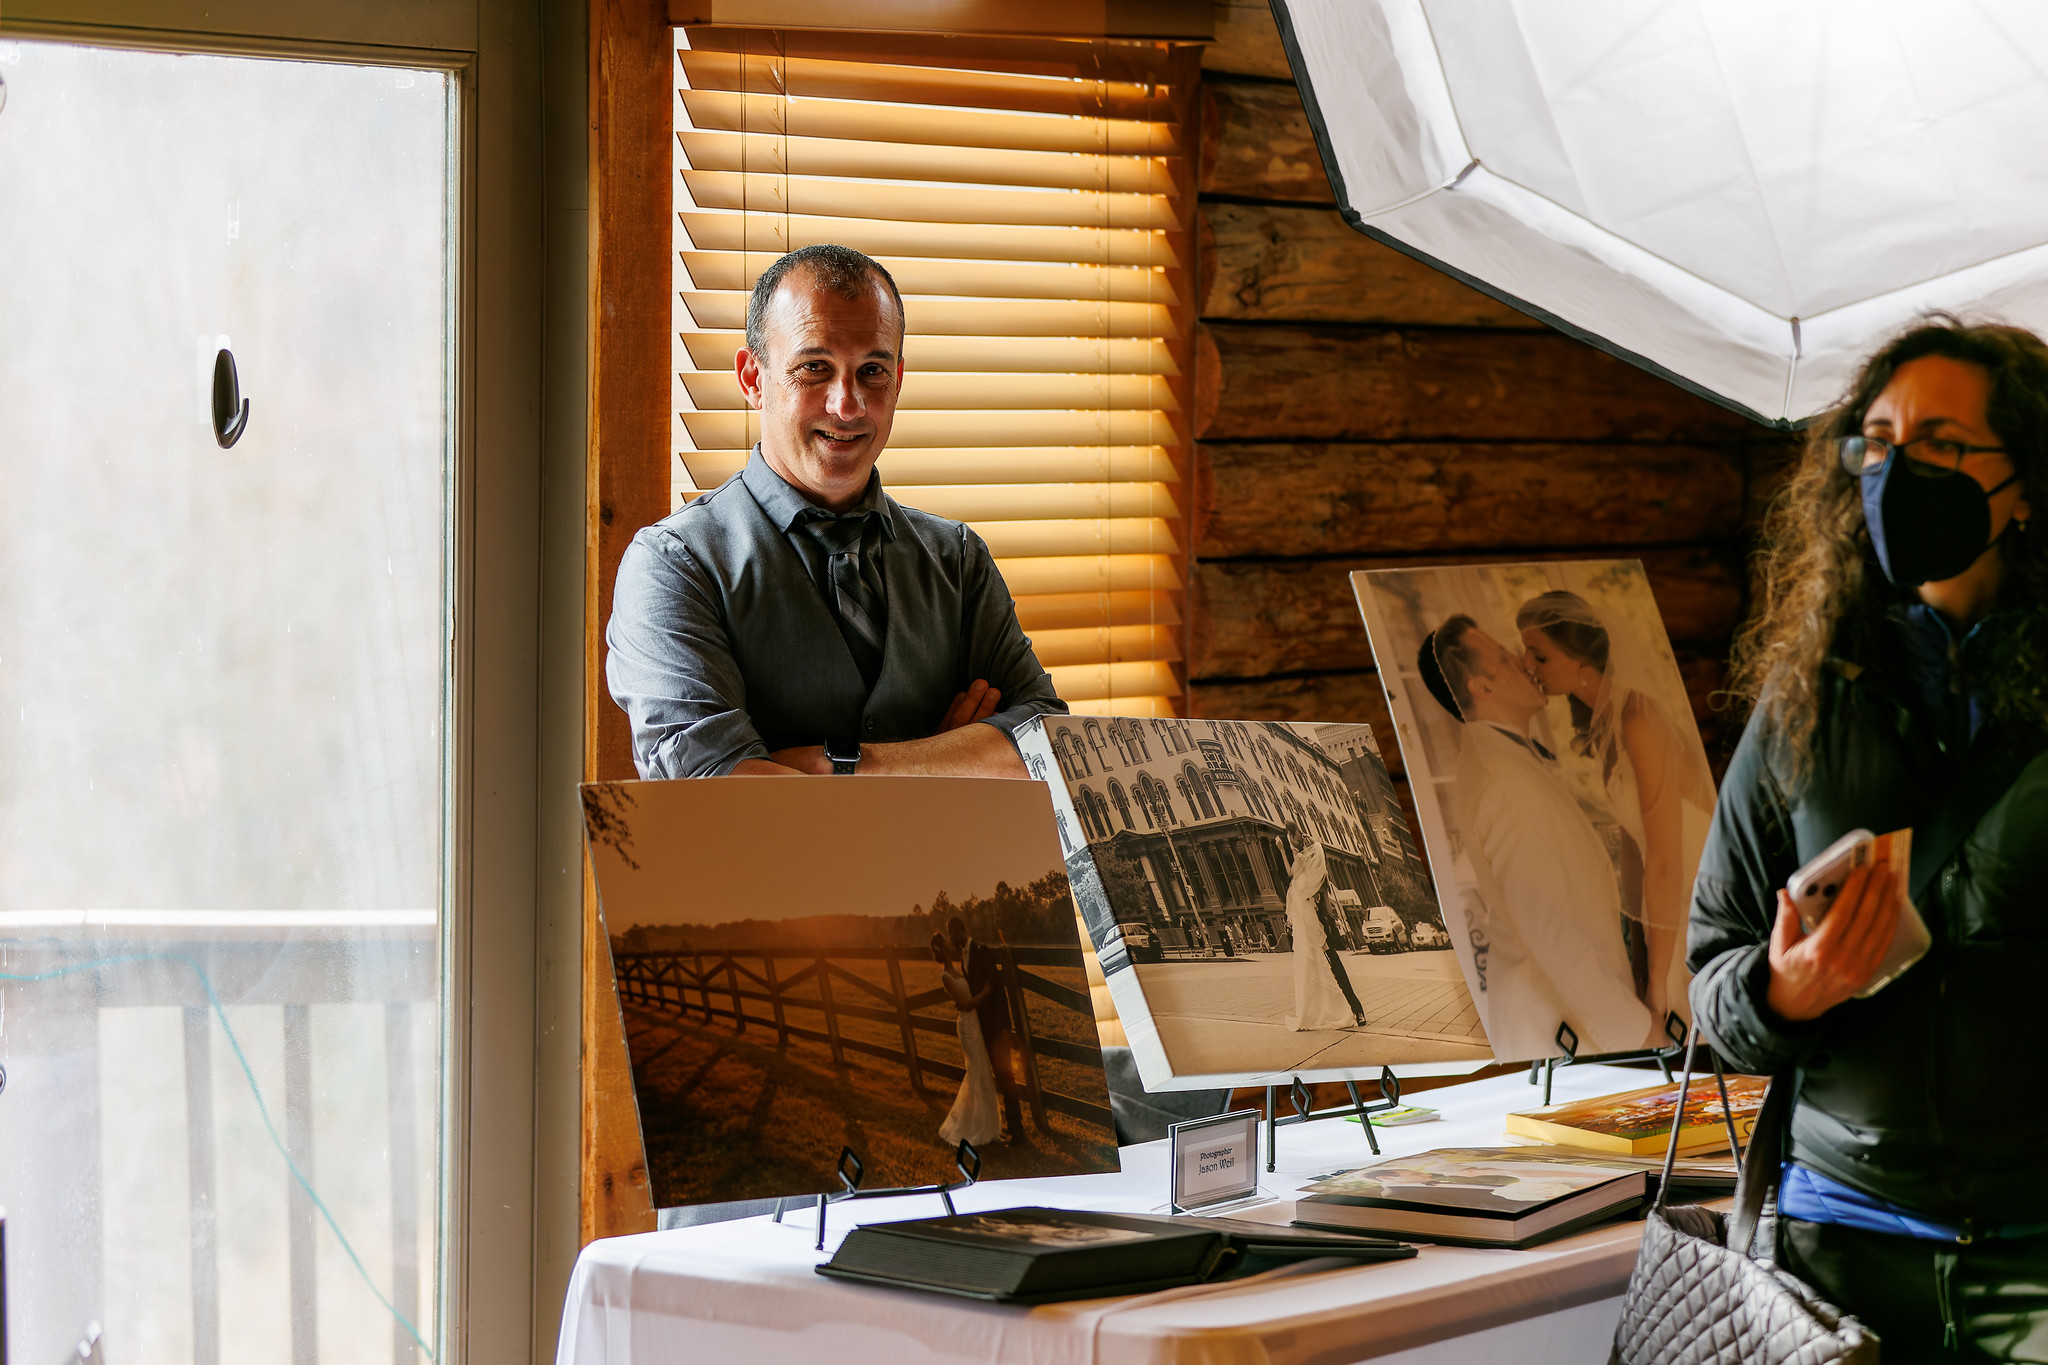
724,646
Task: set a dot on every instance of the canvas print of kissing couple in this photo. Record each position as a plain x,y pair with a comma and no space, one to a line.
1561,785
889,965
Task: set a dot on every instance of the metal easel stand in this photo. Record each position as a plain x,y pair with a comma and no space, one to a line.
1298,1096
965,1159
1568,1044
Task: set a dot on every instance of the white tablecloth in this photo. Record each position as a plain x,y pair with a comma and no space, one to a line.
745,1291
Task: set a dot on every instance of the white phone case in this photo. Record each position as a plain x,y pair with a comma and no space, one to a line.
1814,886
1813,889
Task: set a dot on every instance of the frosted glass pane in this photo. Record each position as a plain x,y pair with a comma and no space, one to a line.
223,688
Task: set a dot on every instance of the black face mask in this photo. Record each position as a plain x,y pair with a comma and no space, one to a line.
1925,530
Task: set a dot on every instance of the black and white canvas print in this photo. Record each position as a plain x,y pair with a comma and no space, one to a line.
1562,788
1259,906
888,964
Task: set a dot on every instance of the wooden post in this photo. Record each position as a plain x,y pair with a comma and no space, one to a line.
732,981
831,1013
401,1121
299,1225
1020,1024
903,1022
703,985
775,999
632,305
200,1172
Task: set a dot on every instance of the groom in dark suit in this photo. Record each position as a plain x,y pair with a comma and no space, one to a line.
992,1008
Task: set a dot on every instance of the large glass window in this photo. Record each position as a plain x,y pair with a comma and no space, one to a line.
223,700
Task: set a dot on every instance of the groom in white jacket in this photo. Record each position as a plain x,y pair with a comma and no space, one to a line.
1555,952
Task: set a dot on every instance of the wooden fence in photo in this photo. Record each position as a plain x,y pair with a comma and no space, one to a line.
813,984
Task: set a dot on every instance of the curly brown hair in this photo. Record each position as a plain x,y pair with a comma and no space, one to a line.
1820,591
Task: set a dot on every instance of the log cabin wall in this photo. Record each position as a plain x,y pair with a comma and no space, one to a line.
1357,409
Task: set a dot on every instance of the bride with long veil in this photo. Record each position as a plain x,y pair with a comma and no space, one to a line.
1319,1002
1656,778
977,1113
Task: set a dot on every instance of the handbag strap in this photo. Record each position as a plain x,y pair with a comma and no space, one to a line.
1763,1162
1692,1032
1763,1165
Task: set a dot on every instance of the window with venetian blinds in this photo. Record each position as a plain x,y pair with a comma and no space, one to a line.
1030,198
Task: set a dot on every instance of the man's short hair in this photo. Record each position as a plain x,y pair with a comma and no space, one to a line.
1448,663
841,269
956,923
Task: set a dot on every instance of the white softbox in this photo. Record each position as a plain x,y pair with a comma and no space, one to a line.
1744,195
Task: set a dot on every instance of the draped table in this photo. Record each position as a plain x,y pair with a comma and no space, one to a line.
746,1290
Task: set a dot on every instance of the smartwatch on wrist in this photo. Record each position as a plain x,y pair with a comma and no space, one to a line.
845,756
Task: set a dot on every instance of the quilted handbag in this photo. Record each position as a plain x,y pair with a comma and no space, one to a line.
1698,1297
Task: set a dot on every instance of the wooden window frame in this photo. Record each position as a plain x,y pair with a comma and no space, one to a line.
631,55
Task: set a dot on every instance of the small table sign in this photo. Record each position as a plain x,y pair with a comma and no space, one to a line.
1213,1161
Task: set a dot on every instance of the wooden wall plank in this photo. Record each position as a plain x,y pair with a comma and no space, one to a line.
1268,383
1277,262
1356,696
1350,696
1257,143
1251,618
1247,42
1328,498
632,97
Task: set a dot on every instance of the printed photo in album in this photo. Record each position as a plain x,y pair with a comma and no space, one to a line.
1562,788
890,965
1259,905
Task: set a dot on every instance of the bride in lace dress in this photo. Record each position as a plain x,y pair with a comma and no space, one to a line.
1656,776
977,1113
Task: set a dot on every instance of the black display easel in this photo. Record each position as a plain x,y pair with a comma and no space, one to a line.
1568,1044
965,1159
1298,1096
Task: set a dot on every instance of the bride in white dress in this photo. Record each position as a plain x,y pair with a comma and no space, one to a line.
1319,1002
977,1113
1656,775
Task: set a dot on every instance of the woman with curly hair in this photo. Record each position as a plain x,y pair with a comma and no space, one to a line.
1898,671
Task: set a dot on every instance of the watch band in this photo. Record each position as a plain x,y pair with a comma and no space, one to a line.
845,756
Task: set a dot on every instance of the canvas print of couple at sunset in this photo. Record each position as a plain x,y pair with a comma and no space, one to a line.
888,965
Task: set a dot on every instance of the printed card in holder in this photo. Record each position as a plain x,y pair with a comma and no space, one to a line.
1213,1162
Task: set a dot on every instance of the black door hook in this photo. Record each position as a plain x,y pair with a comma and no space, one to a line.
230,409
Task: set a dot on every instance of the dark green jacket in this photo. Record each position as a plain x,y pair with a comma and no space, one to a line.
1931,1093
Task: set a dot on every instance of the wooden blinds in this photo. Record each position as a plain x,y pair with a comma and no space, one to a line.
1031,199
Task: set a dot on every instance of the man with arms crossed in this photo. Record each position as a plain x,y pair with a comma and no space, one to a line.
1554,946
797,619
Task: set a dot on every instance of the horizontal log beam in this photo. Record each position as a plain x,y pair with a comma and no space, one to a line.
1356,696
1254,618
1342,698
1771,464
1247,42
1330,498
1277,263
1257,144
1266,383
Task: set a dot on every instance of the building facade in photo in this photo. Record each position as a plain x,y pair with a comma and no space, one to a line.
1199,812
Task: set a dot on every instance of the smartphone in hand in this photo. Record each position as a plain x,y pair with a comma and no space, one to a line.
1815,886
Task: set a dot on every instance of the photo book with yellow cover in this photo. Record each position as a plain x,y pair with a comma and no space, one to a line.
1638,1122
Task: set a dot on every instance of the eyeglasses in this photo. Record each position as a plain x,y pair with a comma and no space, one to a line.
1935,458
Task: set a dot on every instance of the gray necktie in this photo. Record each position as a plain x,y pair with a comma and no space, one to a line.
863,619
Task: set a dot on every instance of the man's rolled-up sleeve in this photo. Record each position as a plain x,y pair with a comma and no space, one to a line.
1748,856
670,665
997,648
